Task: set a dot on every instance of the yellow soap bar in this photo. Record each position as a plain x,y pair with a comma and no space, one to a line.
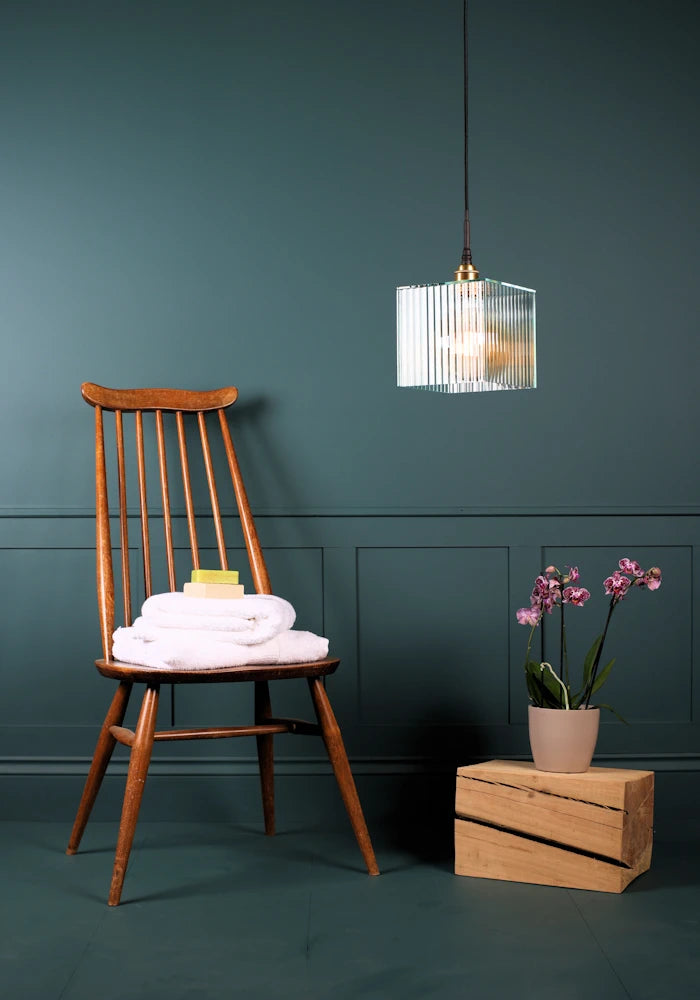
225,591
214,576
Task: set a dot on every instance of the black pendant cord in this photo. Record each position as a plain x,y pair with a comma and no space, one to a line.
467,251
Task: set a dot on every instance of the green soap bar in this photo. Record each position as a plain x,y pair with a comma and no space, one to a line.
214,576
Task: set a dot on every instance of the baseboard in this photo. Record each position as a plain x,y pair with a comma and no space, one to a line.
236,766
397,793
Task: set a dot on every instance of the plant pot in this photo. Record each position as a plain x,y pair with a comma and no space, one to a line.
563,740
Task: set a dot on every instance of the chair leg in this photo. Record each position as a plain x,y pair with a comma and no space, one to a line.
135,781
263,711
341,768
103,752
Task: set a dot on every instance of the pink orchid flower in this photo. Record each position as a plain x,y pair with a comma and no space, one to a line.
617,585
576,596
631,566
528,616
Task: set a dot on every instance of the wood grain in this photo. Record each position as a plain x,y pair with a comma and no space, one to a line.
341,768
165,497
274,672
604,785
129,400
105,573
266,755
123,519
143,506
103,752
485,852
261,580
136,779
187,488
213,495
514,822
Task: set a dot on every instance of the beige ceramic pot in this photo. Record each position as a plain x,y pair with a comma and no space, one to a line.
563,740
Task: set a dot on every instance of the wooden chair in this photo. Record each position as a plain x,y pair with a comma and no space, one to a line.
195,406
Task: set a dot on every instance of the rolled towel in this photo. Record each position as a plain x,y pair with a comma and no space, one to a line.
147,630
253,618
171,650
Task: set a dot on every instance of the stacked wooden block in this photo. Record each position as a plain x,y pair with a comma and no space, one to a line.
582,831
217,583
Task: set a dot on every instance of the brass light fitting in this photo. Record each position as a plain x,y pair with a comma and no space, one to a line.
466,272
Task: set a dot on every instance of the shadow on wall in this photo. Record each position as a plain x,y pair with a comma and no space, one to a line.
268,470
419,807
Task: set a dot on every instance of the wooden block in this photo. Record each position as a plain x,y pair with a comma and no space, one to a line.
584,831
214,576
220,591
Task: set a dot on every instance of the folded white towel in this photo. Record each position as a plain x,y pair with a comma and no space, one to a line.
171,650
253,618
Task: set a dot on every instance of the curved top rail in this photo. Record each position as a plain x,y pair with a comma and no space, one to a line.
187,400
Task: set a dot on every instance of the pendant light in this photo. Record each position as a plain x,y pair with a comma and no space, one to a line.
468,335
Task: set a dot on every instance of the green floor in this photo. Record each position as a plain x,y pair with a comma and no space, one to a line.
215,910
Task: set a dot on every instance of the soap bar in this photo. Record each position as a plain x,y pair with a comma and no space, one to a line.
214,576
227,591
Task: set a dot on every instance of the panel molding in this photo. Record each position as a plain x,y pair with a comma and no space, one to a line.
670,510
501,713
337,540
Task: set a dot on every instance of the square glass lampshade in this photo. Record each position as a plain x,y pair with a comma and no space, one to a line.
466,336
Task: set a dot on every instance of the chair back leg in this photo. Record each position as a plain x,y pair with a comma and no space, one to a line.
103,752
263,711
136,778
341,768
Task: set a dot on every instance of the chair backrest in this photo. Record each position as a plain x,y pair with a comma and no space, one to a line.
181,404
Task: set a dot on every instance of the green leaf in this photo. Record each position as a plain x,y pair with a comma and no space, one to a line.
611,709
589,661
602,676
534,691
542,688
534,685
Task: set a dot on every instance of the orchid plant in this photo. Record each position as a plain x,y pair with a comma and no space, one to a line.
553,589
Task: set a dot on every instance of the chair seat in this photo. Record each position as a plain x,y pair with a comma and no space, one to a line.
256,672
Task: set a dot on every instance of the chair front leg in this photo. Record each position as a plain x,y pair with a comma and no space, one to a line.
138,769
341,768
103,752
266,762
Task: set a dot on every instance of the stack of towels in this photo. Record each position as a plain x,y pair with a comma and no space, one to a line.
180,632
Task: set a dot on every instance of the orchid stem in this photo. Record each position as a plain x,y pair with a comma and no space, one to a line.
561,645
529,644
613,602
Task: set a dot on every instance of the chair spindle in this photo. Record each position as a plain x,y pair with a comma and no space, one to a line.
105,579
123,518
165,494
211,481
261,580
143,502
185,466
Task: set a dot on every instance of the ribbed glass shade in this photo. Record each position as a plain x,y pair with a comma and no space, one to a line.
466,336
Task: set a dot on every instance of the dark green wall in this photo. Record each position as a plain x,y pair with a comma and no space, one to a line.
204,193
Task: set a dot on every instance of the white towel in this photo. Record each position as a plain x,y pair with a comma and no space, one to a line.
167,649
253,618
